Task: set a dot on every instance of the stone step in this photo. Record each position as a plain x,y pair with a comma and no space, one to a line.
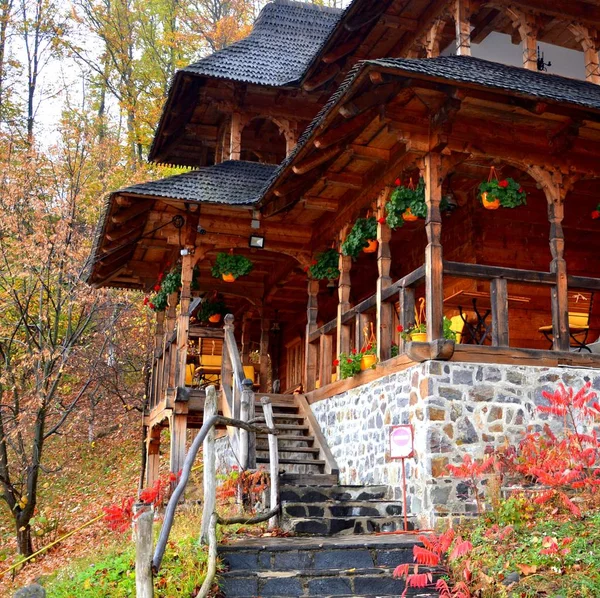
351,508
309,480
320,494
260,418
293,461
289,438
317,566
288,449
337,526
292,427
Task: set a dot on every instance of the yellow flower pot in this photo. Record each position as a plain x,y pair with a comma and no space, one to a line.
228,277
408,216
418,337
215,318
367,362
493,204
371,247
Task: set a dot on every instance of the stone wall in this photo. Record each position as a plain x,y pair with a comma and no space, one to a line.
455,408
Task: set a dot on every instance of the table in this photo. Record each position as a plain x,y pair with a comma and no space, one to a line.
478,330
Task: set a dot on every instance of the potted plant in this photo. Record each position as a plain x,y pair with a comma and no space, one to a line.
230,266
362,237
406,204
418,332
325,265
356,361
596,213
212,309
506,192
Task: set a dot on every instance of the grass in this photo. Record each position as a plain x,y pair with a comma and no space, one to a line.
111,573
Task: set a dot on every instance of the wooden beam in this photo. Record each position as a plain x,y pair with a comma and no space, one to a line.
321,77
131,212
360,20
375,97
499,301
397,22
346,129
317,158
385,311
341,50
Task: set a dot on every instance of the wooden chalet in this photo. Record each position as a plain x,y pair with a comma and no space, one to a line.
297,130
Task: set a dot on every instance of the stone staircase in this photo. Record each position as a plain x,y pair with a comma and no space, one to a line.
335,550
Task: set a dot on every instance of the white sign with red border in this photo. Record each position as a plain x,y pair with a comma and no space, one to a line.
401,442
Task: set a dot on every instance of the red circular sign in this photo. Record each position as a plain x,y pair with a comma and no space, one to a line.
401,442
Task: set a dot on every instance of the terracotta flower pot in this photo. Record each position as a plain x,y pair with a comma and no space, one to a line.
371,247
489,205
228,277
215,318
408,216
418,337
367,361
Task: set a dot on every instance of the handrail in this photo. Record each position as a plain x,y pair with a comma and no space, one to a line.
411,279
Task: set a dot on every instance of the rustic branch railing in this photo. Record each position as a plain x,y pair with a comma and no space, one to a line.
403,291
212,518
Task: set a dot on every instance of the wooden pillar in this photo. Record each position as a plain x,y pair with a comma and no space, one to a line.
235,144
558,266
209,473
385,310
344,286
434,284
310,361
159,333
462,19
499,300
170,358
526,25
264,353
153,455
587,39
183,322
178,423
246,323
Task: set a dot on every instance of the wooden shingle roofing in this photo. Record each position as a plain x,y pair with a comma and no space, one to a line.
280,47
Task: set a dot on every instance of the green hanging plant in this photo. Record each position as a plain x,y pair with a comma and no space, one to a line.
506,192
171,283
233,264
325,265
158,302
211,306
363,231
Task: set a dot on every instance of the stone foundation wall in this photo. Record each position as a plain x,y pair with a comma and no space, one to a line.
455,408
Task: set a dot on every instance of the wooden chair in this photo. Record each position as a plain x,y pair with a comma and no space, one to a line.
580,308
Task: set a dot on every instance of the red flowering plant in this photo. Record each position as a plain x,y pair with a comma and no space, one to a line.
507,191
352,363
325,265
596,213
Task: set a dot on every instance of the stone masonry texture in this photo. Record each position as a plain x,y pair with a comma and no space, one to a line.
454,408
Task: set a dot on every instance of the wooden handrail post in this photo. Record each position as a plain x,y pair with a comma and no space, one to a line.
385,310
246,323
247,439
326,359
209,473
310,361
171,361
144,585
273,460
153,455
434,276
406,311
499,301
265,325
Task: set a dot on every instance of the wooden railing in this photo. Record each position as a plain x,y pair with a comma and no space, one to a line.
321,341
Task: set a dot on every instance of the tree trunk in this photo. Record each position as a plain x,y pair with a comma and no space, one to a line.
24,543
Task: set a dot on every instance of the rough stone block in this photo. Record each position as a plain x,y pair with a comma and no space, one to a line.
462,376
382,585
436,414
239,586
329,586
292,560
439,467
343,559
280,586
241,560
32,591
393,558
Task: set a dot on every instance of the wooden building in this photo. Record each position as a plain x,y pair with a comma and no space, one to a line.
297,130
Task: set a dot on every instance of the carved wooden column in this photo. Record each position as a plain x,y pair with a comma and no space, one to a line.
178,424
406,312
434,288
385,310
159,334
587,39
246,323
462,19
171,358
183,322
235,144
527,27
264,352
310,361
344,286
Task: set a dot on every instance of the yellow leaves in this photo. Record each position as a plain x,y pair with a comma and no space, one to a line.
527,569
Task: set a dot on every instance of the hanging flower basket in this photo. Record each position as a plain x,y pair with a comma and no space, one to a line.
168,284
325,265
214,319
211,309
596,213
506,193
408,216
371,246
230,266
406,204
361,237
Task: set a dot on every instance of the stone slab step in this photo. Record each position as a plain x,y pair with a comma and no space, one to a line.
294,437
297,416
295,427
290,449
310,494
338,526
305,479
333,508
293,461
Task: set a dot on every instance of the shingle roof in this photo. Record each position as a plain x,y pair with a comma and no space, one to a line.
284,40
233,182
465,69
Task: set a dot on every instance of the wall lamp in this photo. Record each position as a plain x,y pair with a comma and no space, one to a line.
256,241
